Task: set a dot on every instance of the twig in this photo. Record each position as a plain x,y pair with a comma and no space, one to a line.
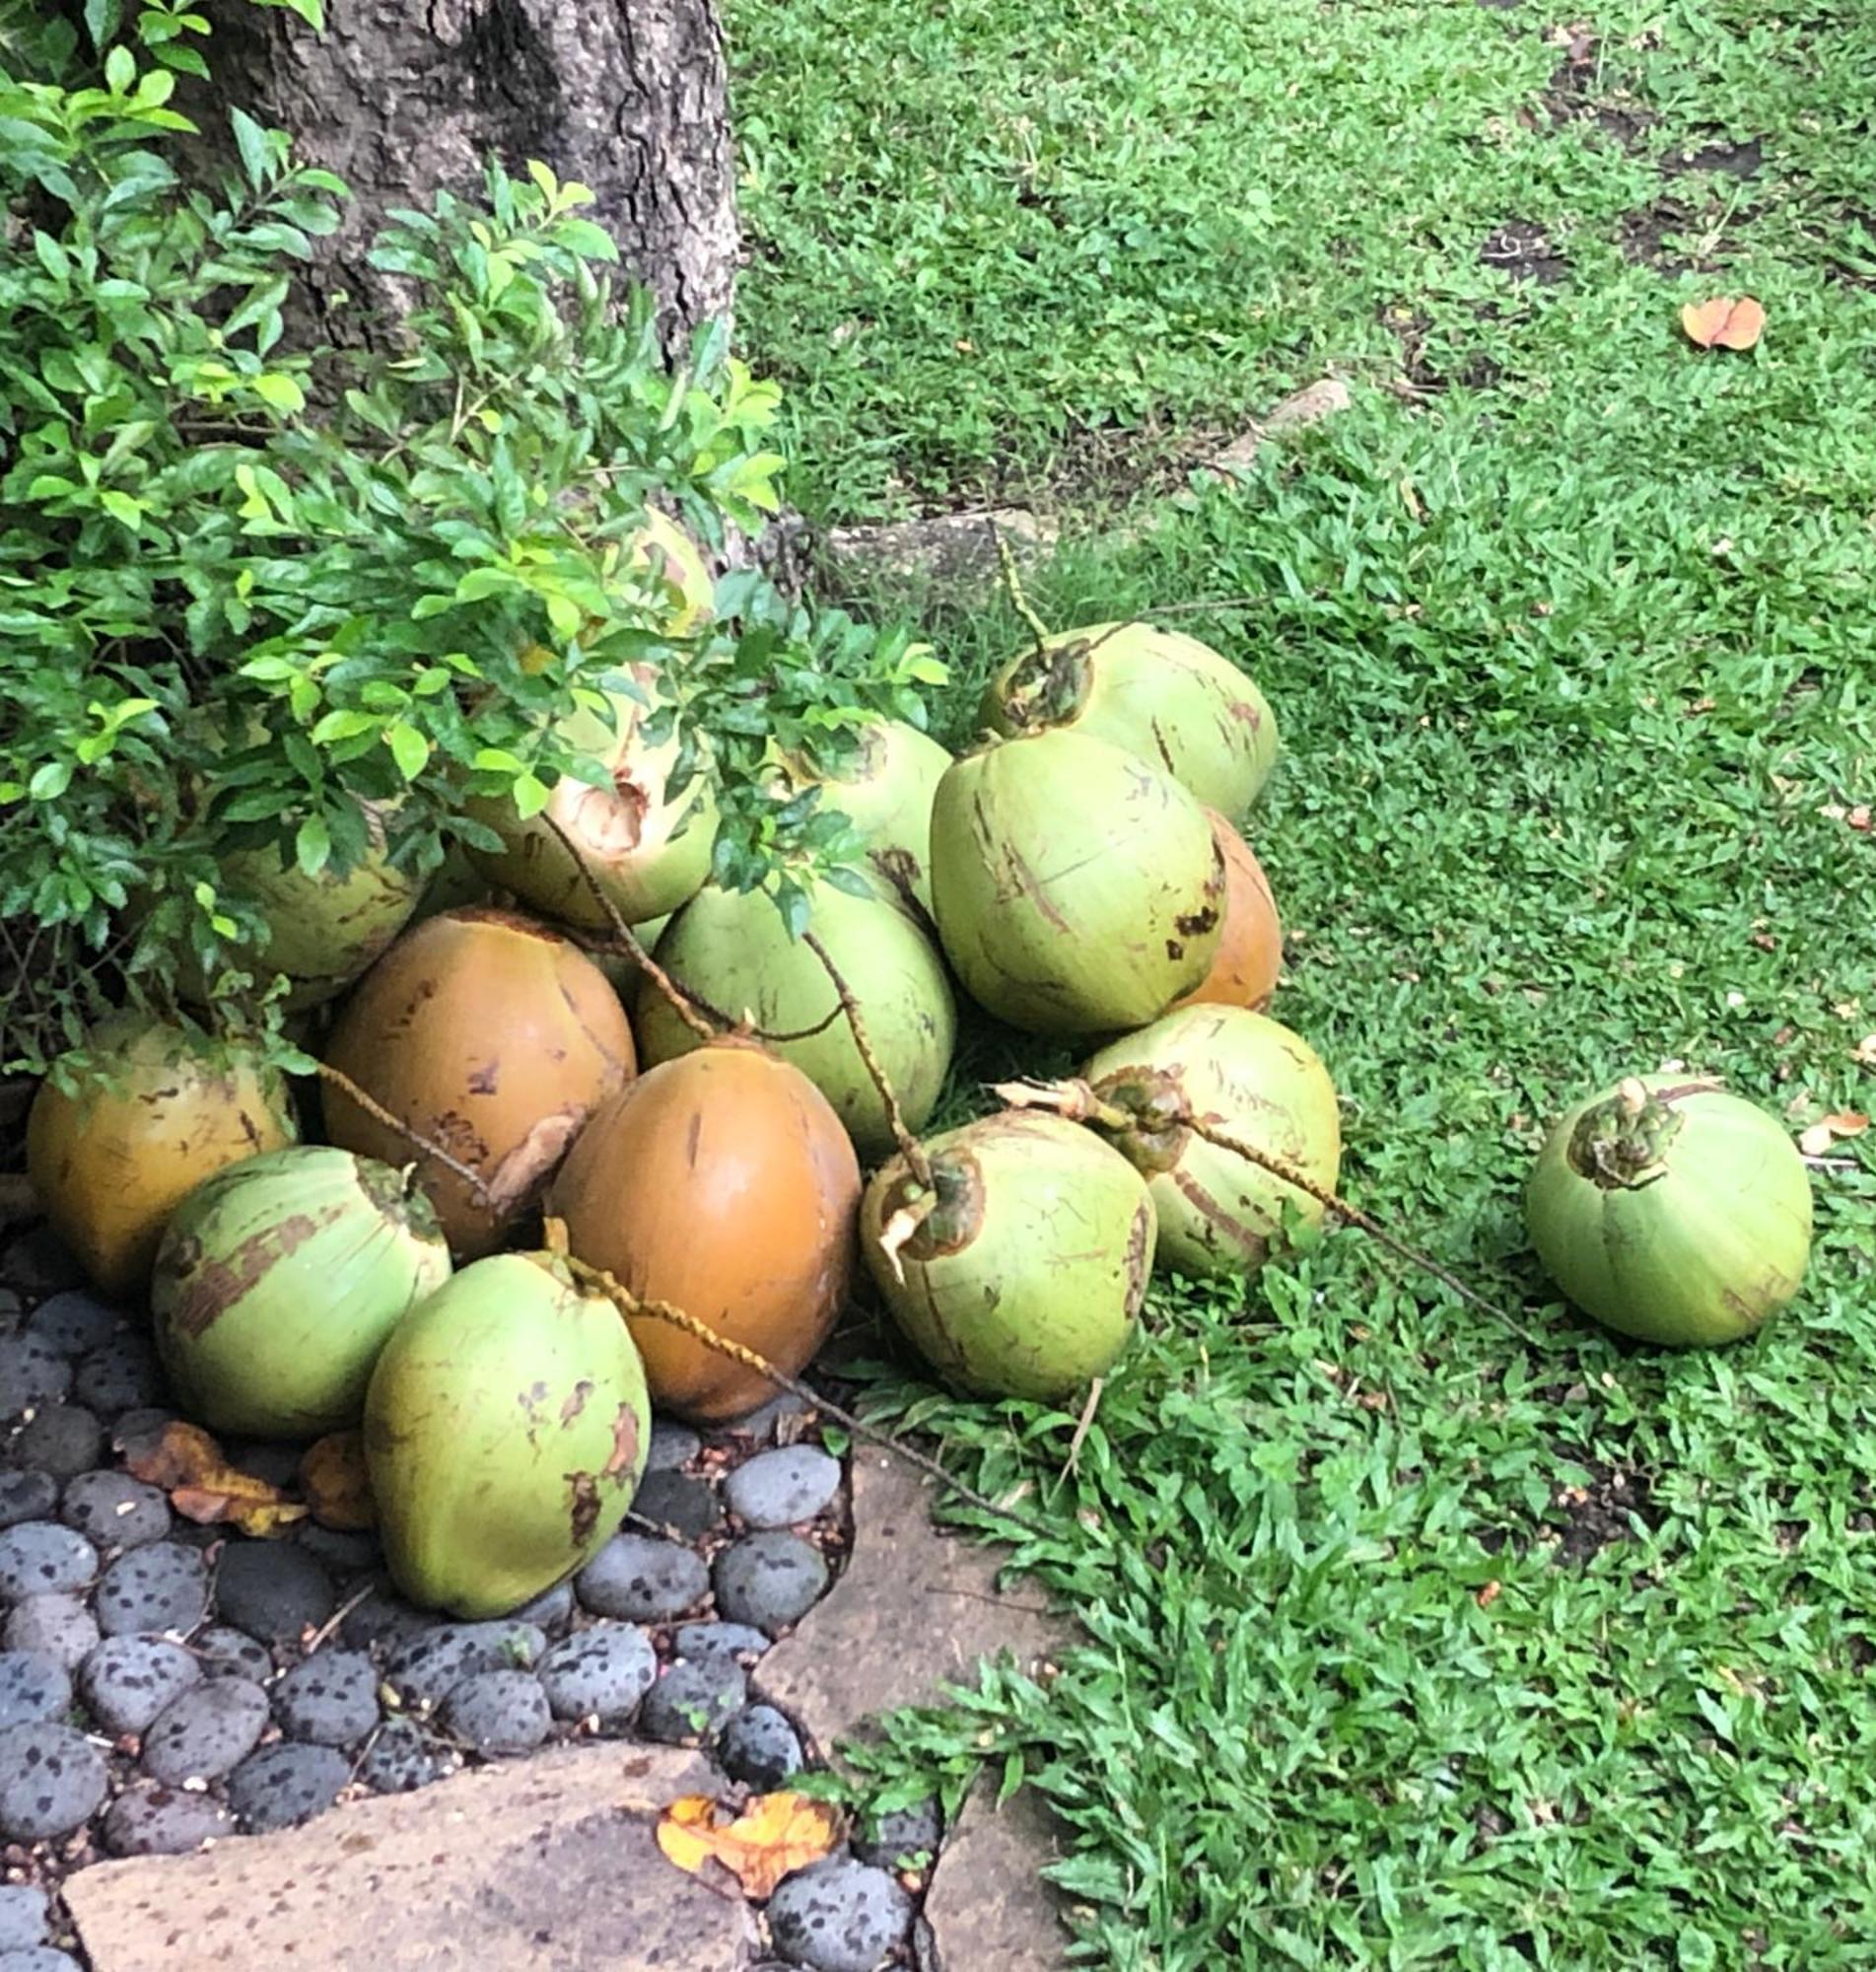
628,1303
376,1111
680,1002
1013,581
323,1634
1083,1425
1079,1102
1199,608
909,1146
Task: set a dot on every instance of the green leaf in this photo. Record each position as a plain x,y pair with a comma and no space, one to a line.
120,70
313,845
409,749
276,387
51,780
530,796
121,507
250,139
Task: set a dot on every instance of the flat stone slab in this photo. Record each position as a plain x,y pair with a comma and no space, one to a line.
988,1904
915,1612
547,1865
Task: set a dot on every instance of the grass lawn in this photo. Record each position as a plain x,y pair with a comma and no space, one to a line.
1414,1643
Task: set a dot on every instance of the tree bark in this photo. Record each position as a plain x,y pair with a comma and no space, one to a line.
403,98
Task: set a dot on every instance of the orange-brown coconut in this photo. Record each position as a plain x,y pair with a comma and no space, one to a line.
493,1037
1250,950
157,1109
721,1182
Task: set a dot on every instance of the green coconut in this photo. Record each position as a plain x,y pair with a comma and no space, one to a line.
1672,1210
648,849
731,950
1020,1270
1167,698
278,1282
1077,892
506,1430
1243,1073
886,793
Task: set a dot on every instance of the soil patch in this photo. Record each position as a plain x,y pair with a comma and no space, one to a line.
1525,250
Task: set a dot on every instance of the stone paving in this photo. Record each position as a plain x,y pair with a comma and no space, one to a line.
413,1791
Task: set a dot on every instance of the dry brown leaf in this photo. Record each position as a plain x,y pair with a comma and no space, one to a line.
338,1486
1724,323
773,1836
1861,819
187,1464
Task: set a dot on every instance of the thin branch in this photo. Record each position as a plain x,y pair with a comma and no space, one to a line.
376,1111
628,1303
1013,581
1079,1102
629,939
909,1146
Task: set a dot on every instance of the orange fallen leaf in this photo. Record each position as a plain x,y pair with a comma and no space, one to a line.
1861,819
202,1486
1488,1594
1822,1134
1723,322
338,1486
773,1836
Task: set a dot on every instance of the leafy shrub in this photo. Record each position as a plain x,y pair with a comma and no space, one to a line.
255,594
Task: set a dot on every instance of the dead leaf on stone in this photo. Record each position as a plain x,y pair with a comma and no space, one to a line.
1724,323
187,1464
1825,1131
773,1836
338,1486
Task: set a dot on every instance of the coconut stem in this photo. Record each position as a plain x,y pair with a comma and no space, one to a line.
1077,1101
627,1303
376,1111
909,1146
629,939
1013,581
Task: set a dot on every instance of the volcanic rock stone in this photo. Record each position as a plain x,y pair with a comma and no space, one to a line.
123,1375
32,1371
38,1959
549,1610
64,1439
671,1445
158,1588
682,1507
205,1731
693,1701
896,1839
225,1652
760,1748
42,1557
111,1510
156,1820
769,1581
40,1263
53,1780
427,1669
284,1784
644,1580
34,1688
838,1916
24,1912
718,1639
75,1322
272,1590
780,1421
403,1757
778,1488
127,1681
278,1464
60,1627
344,1551
329,1700
500,1712
384,1617
602,1673
27,1496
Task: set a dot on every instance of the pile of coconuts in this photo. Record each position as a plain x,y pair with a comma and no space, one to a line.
732,1133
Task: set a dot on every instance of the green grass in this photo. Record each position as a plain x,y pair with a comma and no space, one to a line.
1575,675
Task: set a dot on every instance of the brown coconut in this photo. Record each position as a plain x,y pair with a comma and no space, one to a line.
159,1109
491,1037
1250,951
722,1182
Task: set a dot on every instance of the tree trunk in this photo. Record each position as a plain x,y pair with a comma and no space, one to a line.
403,98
